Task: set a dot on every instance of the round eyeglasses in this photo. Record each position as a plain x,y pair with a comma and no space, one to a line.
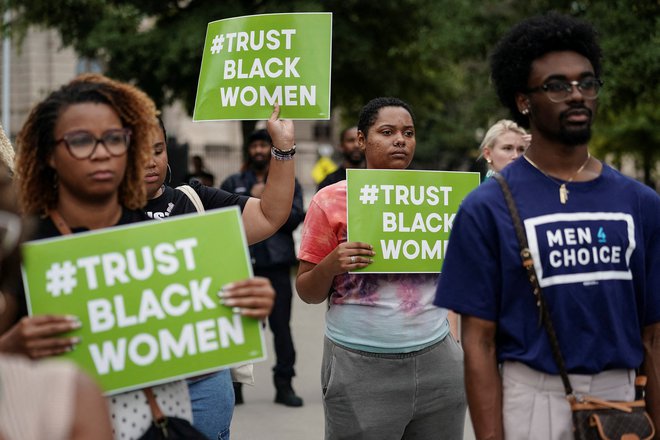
560,91
82,144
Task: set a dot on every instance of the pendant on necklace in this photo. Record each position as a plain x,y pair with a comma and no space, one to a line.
563,194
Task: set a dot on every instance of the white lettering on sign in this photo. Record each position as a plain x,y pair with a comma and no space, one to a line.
433,222
254,40
413,249
144,348
283,95
121,268
175,300
272,68
416,195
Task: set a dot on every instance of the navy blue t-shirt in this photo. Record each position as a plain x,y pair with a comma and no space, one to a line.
597,258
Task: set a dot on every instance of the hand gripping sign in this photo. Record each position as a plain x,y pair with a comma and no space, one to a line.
146,295
405,215
251,63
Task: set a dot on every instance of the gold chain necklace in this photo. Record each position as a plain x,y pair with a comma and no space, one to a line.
563,191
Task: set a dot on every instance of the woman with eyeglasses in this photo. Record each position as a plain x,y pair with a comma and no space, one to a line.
69,404
82,155
83,152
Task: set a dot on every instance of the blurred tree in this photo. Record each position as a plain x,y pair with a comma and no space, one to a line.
629,115
431,53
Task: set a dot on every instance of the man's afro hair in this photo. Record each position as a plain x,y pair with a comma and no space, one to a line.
511,60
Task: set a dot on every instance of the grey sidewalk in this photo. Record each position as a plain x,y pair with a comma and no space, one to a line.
260,418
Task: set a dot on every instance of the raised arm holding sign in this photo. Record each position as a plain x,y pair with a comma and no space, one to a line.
212,394
251,63
264,216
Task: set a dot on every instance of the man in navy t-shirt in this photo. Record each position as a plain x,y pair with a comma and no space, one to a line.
594,235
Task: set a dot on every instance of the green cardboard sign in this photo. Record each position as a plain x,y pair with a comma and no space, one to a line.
146,295
405,215
250,63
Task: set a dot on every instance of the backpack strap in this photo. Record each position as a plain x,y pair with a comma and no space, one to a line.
193,196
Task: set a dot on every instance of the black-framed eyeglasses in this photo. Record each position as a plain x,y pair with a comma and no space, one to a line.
82,144
560,91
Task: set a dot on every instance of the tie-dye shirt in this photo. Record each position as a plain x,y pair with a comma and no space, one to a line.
381,313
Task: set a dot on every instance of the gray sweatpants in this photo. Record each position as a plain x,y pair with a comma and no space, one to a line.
534,404
373,396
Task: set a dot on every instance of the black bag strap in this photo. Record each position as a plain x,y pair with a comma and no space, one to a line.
528,264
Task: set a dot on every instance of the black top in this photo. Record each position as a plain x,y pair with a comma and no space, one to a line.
174,202
336,176
46,228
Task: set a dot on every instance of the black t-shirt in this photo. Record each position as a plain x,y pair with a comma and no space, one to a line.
46,228
175,202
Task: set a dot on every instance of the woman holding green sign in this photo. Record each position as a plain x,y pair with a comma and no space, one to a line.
391,368
212,395
82,158
70,405
82,152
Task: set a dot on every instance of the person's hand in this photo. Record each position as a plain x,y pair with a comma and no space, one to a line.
350,255
36,336
253,297
281,132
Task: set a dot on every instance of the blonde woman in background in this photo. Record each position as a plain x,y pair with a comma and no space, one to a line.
503,143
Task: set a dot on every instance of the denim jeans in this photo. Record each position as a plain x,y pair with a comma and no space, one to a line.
212,399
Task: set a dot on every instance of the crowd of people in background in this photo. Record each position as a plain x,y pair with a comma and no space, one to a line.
404,354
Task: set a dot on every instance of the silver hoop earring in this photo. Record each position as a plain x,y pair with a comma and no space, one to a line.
169,174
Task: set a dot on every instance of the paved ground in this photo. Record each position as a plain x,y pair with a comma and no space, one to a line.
260,418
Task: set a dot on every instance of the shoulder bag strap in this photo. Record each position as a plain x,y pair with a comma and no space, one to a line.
159,419
193,196
528,264
156,413
59,222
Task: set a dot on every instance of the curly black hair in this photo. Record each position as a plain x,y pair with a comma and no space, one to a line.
511,60
37,181
369,112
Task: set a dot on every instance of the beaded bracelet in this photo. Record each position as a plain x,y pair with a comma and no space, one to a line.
282,154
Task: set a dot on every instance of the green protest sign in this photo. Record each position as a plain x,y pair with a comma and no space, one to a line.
405,215
250,63
146,295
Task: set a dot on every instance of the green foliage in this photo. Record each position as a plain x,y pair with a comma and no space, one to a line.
431,53
629,114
